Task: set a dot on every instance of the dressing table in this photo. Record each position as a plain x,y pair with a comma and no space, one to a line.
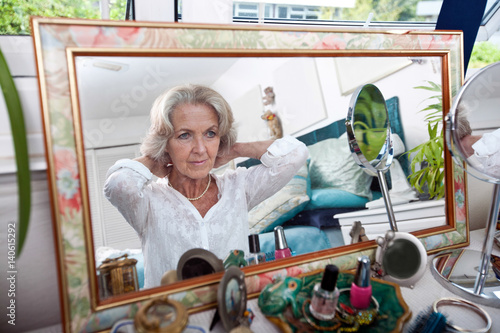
420,298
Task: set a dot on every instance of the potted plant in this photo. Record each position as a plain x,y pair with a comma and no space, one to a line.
19,136
427,165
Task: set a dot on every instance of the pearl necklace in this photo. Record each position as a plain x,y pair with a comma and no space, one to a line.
204,192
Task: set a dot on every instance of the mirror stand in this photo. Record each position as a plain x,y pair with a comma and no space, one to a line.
400,257
485,288
387,200
473,127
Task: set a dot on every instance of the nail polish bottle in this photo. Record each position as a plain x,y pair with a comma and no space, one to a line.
255,256
361,289
325,295
281,249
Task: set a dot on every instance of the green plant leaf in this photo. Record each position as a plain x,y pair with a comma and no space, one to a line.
430,151
18,129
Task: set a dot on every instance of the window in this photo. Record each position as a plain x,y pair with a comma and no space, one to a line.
15,14
353,11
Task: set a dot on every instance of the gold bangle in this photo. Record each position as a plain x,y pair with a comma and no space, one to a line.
311,322
468,305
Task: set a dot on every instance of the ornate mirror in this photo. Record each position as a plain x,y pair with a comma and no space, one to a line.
69,50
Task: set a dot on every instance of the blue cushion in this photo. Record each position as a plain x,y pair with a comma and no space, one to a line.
300,239
334,198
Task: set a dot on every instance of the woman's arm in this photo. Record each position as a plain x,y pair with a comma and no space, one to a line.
124,188
281,161
244,149
157,169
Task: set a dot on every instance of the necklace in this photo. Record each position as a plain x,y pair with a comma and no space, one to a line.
198,197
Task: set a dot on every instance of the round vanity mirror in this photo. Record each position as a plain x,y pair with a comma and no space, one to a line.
400,257
370,140
368,130
473,138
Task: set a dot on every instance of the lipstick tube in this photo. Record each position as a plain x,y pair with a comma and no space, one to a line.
281,247
361,289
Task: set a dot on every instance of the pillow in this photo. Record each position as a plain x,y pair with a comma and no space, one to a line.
332,166
282,206
335,198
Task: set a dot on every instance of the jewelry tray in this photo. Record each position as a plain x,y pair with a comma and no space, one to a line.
392,315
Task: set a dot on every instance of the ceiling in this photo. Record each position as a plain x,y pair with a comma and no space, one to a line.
130,82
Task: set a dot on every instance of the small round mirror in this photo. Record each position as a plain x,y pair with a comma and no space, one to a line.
370,140
368,129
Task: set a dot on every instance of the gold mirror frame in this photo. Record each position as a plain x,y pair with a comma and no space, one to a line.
56,39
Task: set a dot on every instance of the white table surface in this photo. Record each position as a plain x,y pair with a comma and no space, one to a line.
421,297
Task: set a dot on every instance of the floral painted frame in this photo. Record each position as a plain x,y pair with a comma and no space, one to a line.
52,39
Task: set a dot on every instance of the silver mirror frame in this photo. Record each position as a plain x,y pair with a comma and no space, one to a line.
53,37
383,161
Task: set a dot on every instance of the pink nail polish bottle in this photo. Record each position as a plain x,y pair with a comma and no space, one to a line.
281,247
361,289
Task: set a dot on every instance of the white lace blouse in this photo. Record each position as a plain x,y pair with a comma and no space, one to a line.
169,225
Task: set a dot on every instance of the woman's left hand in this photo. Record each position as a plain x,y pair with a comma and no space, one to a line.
243,149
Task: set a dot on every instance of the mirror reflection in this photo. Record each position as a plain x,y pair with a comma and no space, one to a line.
368,123
476,125
308,95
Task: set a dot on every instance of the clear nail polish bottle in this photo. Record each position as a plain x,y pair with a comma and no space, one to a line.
361,289
255,256
325,295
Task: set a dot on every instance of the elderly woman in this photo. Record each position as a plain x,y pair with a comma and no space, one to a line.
188,207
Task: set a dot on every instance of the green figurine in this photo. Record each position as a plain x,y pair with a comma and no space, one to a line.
274,298
235,258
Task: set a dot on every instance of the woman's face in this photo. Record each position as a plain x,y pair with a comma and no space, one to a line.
195,143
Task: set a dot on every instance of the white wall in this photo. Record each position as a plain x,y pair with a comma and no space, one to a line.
37,293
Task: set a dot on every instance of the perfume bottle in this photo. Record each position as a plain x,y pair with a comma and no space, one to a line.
281,249
255,256
325,295
361,289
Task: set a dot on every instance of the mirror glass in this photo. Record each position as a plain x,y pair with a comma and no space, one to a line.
475,124
369,129
115,94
